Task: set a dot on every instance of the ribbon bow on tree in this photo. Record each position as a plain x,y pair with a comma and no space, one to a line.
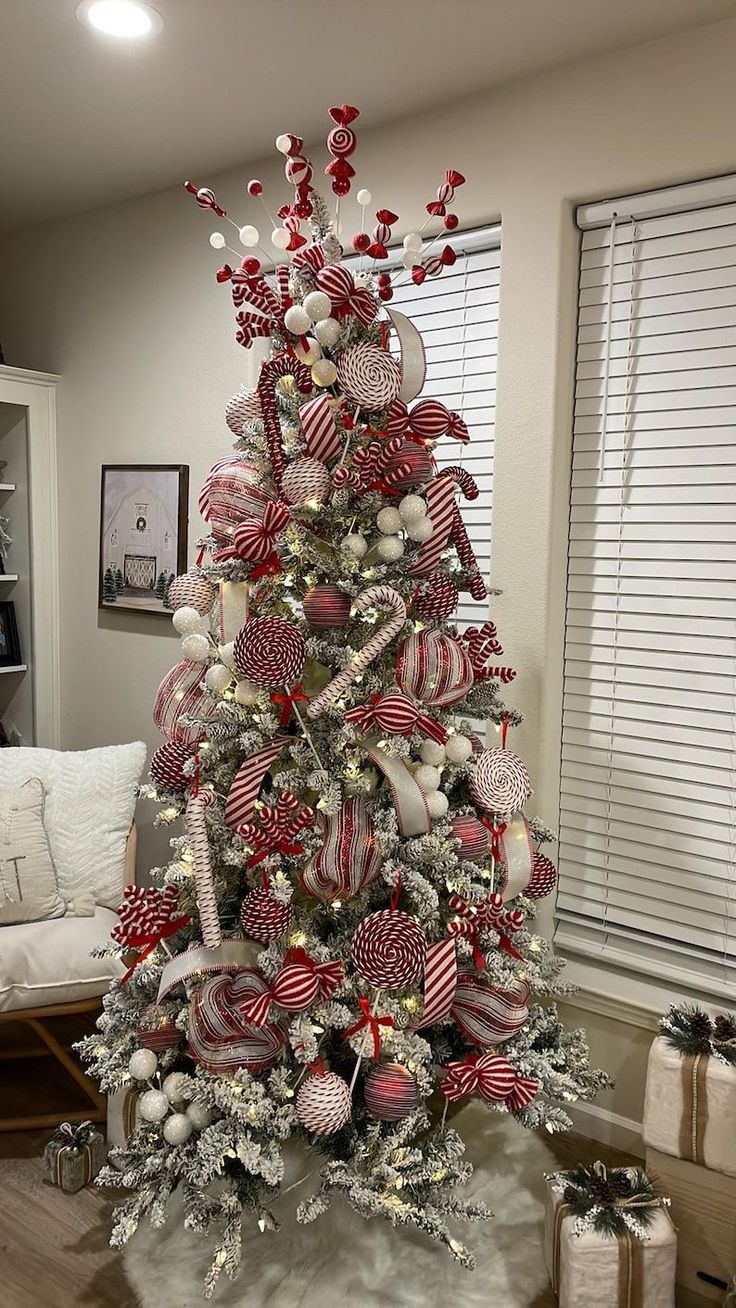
287,699
490,914
146,918
254,539
482,644
396,714
369,1020
345,297
492,1077
276,827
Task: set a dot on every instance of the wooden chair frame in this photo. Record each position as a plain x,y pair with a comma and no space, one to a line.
36,1019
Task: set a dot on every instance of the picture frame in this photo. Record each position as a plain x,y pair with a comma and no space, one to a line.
144,521
10,652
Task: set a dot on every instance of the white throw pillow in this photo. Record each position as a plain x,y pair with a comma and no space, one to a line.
28,886
90,801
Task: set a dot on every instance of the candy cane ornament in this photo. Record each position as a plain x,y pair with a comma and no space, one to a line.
381,597
271,372
196,826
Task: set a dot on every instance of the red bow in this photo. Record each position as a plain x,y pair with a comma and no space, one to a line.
345,296
489,914
277,825
492,1077
370,1020
146,918
330,975
288,700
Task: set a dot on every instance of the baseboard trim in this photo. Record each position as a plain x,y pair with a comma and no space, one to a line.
606,1127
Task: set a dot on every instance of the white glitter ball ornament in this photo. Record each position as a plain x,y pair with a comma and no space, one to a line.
430,751
317,306
437,804
389,521
328,332
217,678
323,1104
324,373
188,622
153,1106
390,549
199,1116
354,545
178,1128
428,778
419,530
196,648
458,749
297,320
142,1064
412,508
308,351
227,654
174,1085
246,693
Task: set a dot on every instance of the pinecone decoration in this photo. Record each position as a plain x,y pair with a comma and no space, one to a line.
701,1030
725,1028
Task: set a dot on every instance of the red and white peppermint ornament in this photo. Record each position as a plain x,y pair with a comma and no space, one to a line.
409,466
543,878
323,1103
157,1030
306,479
326,606
500,783
485,1014
350,857
218,1038
167,764
395,714
369,376
429,419
437,599
475,839
270,651
389,949
391,1092
264,918
434,668
243,407
230,493
192,590
294,989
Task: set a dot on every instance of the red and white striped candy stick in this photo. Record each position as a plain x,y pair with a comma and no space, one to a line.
383,597
271,371
440,497
459,535
196,826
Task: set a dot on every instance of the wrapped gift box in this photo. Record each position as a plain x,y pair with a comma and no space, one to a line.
590,1268
690,1107
704,1213
74,1156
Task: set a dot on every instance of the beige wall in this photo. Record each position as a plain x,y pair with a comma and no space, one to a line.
123,304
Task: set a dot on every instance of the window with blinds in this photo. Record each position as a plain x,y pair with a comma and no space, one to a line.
648,801
457,315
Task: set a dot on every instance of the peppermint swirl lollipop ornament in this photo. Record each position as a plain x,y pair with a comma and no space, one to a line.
369,376
500,783
270,652
389,949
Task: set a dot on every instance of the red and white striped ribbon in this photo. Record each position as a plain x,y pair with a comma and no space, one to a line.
382,597
440,981
317,418
247,782
196,825
409,800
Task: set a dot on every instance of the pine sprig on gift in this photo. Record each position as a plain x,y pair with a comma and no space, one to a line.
611,1200
690,1030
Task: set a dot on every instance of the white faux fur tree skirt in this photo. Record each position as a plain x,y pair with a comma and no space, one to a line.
343,1261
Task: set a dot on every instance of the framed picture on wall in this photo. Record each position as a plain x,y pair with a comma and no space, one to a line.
10,654
144,515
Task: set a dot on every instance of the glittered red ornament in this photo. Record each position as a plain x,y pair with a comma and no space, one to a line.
475,839
391,1092
323,1103
361,241
157,1029
326,606
388,949
255,187
264,918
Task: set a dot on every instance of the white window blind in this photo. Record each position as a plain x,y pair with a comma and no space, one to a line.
648,805
457,315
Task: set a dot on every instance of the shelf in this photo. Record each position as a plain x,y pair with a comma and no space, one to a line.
9,576
7,486
16,667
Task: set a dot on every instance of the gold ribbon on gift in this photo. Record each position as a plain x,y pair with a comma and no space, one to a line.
84,1150
130,1104
694,1106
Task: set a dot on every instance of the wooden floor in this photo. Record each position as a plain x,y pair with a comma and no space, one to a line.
54,1250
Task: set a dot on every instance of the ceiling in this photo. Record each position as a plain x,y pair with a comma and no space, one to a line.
88,121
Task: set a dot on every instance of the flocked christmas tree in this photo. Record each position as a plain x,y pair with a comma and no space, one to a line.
342,945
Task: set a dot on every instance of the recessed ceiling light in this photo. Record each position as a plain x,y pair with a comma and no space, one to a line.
126,19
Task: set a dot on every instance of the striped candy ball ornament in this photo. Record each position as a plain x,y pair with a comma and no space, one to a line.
437,599
323,1103
293,989
326,606
264,918
167,765
192,590
157,1030
475,839
543,878
395,714
369,376
429,419
434,668
485,1014
270,651
389,949
391,1093
243,407
219,1040
306,479
408,467
500,783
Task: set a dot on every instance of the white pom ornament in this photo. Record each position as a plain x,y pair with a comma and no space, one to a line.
428,778
317,305
412,508
246,693
142,1064
283,143
196,648
217,678
324,373
227,654
432,752
364,198
354,545
187,621
249,236
153,1106
217,240
458,749
419,530
280,238
178,1128
328,331
412,241
174,1085
437,804
308,351
323,1104
297,320
199,1116
389,521
390,549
